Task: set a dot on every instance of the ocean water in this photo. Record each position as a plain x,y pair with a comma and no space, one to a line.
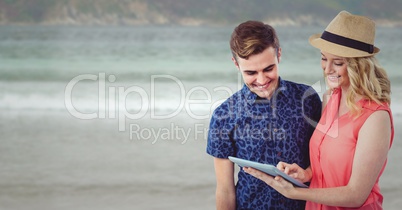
84,112
144,68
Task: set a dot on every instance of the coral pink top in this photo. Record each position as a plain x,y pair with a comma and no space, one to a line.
332,149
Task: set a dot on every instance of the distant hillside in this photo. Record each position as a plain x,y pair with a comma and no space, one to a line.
192,12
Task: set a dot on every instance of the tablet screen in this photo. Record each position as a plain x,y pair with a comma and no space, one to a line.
269,169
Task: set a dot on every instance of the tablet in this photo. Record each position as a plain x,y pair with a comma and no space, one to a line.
269,169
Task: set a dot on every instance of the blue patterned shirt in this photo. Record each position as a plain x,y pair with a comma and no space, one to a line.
266,131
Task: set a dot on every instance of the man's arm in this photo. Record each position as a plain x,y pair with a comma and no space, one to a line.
225,188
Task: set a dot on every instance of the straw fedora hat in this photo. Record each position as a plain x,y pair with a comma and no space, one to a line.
347,35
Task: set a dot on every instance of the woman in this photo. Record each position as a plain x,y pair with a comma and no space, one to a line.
349,147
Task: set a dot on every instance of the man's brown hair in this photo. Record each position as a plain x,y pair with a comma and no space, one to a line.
251,38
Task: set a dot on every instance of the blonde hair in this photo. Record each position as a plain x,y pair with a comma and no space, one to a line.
367,79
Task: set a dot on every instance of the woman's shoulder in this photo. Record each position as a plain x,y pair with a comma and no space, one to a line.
374,106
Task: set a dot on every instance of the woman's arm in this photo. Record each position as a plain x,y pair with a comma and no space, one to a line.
225,188
370,156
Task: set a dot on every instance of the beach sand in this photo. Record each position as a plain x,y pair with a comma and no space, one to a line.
52,160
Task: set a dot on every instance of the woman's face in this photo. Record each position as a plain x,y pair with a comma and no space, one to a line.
335,70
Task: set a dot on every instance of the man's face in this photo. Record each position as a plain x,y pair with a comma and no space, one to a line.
260,72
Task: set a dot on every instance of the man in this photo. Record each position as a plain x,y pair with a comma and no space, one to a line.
268,120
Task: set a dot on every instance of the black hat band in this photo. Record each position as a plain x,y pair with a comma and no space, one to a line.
358,45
